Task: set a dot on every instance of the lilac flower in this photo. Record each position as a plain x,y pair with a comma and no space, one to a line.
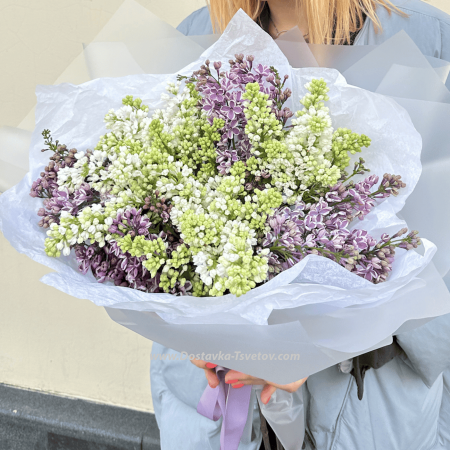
230,111
111,264
157,207
368,270
43,187
62,157
226,157
132,223
222,98
262,71
61,200
321,228
233,125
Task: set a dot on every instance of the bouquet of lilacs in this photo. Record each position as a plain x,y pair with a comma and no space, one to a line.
232,214
219,191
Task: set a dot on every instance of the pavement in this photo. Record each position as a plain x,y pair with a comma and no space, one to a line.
31,420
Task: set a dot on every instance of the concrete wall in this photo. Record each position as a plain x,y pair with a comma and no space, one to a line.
442,4
40,38
48,340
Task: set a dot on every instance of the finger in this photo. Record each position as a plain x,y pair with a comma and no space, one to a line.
267,392
212,378
233,376
300,383
236,384
199,363
291,387
203,364
210,373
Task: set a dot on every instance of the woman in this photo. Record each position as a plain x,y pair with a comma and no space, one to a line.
426,25
405,404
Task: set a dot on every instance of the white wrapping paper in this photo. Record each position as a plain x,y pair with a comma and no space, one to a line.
74,114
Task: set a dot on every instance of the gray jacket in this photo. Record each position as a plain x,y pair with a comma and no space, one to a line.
427,26
406,403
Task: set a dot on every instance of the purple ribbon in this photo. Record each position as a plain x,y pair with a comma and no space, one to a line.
231,404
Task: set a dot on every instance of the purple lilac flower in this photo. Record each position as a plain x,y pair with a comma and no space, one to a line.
321,228
61,200
43,187
222,98
111,264
57,199
132,223
231,111
62,157
158,207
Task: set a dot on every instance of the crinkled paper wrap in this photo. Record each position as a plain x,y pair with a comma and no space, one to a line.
74,114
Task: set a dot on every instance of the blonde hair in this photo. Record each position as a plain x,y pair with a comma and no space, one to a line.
329,21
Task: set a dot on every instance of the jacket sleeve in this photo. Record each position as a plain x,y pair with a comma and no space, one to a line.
428,348
196,24
445,42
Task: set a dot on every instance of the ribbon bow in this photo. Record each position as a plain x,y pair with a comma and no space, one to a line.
231,404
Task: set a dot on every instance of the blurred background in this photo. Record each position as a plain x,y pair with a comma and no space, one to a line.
48,341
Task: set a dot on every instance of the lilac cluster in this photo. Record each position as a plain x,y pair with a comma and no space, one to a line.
357,200
43,187
158,207
412,241
62,157
55,198
61,200
132,223
109,263
321,228
222,98
257,182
